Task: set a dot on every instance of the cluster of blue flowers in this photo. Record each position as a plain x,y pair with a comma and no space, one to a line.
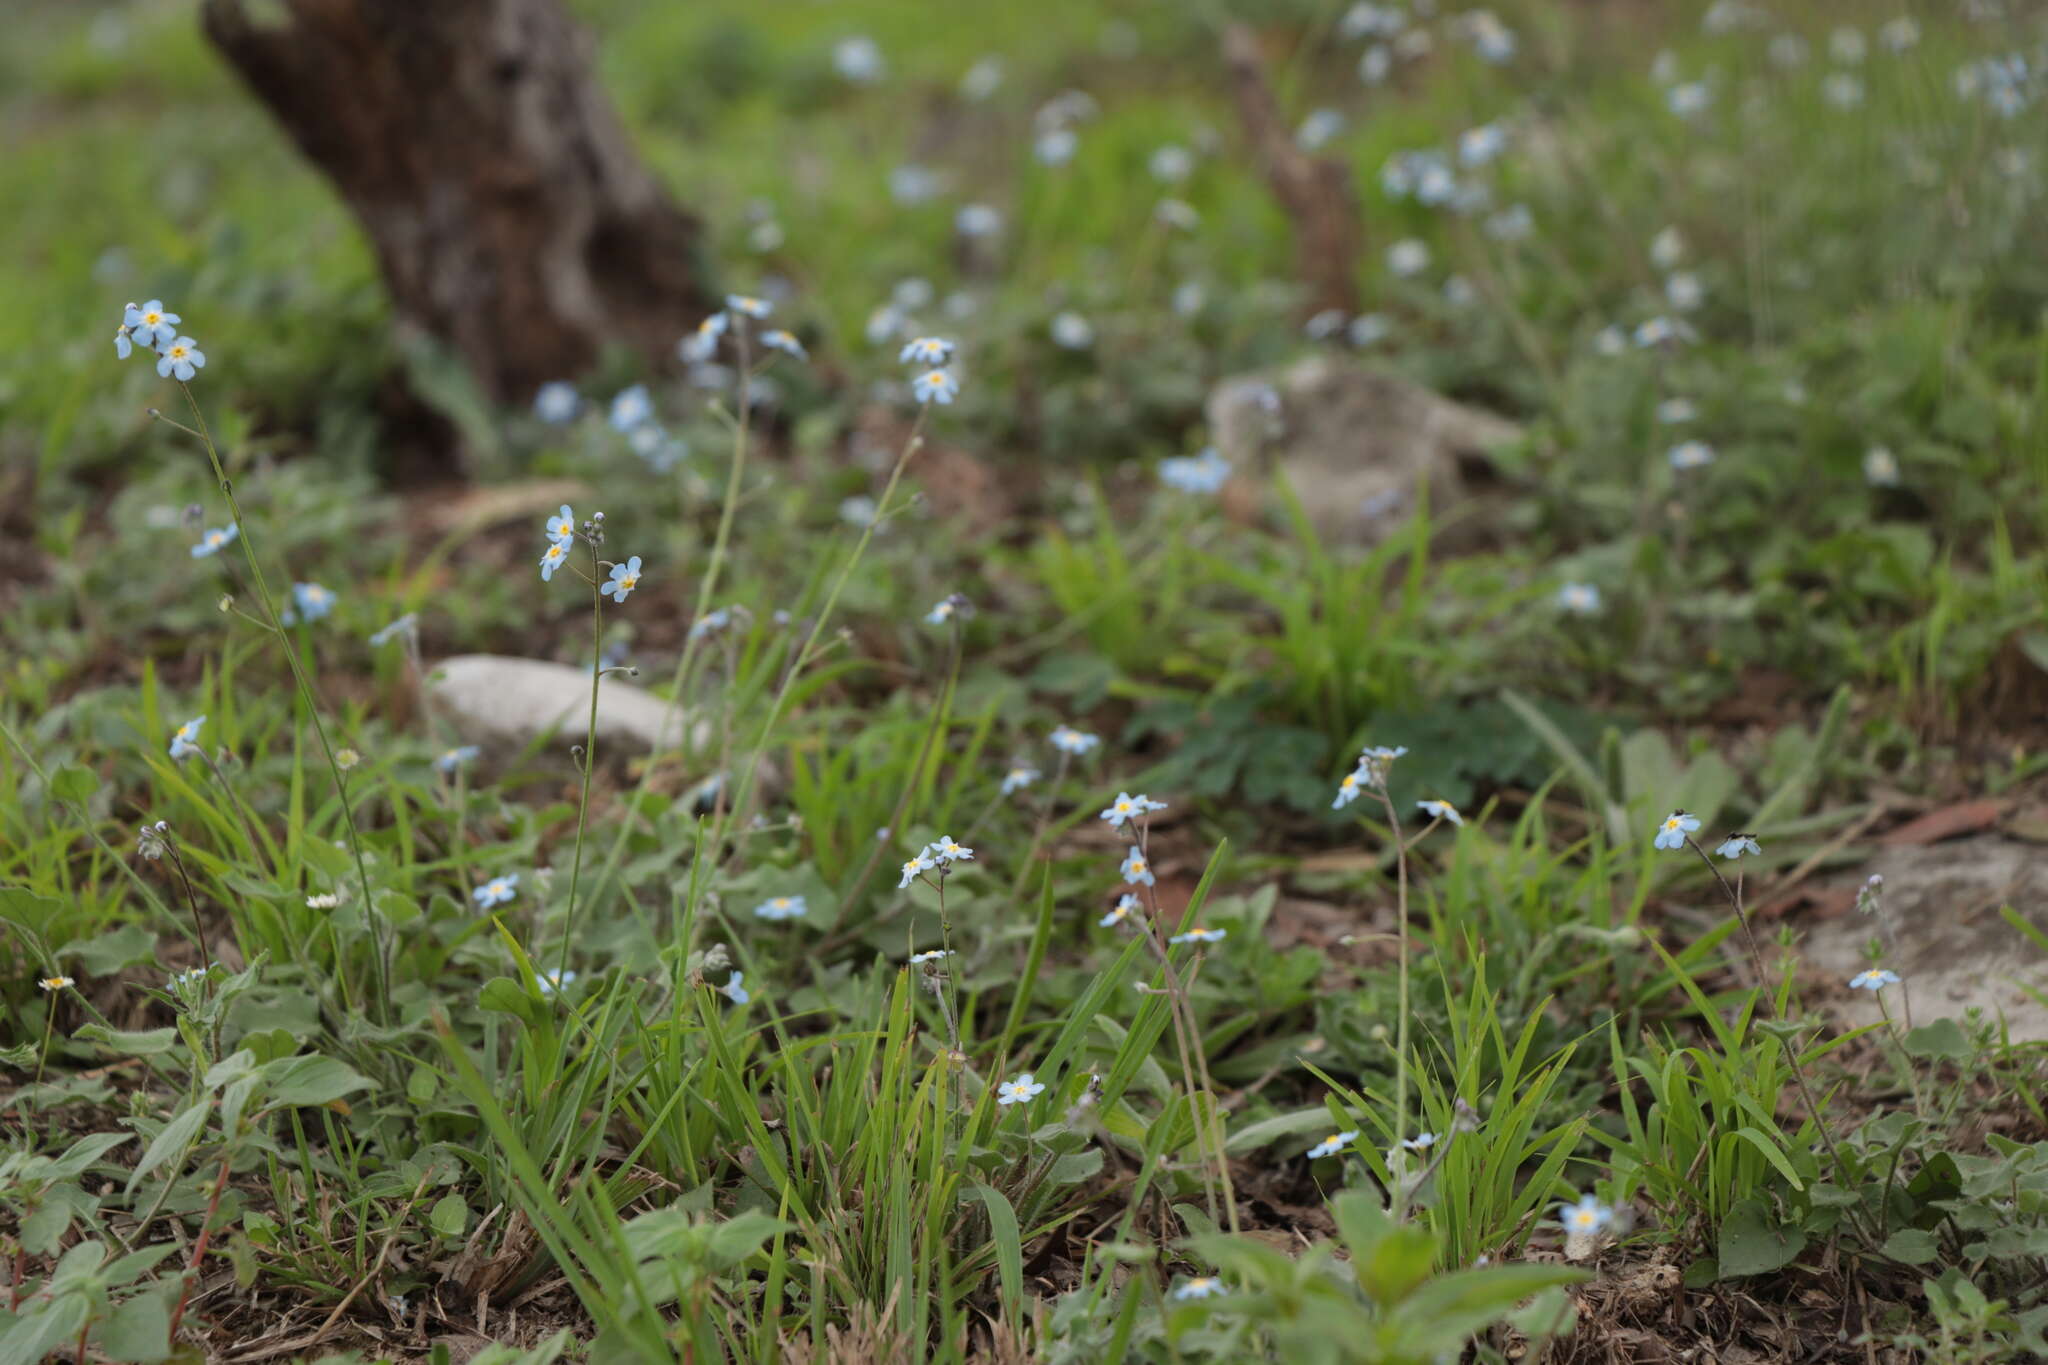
939,855
1203,473
155,330
781,907
562,533
936,382
1371,771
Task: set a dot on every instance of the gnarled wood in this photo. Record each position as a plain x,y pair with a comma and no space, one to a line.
1316,192
510,215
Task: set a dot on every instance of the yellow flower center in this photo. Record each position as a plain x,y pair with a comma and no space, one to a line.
628,581
152,319
177,352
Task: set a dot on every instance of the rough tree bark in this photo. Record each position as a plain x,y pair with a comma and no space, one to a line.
510,215
1316,192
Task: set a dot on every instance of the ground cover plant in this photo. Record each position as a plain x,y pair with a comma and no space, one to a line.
1087,884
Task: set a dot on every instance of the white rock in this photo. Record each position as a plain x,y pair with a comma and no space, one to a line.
1953,948
1354,441
506,703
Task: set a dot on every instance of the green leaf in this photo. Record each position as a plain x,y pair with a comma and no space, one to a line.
139,1330
1075,1167
311,1080
74,782
29,913
38,1332
1942,1040
421,1085
1400,1262
450,1215
43,1230
1772,1154
176,1137
84,1152
1912,1246
1009,1243
1752,1244
1442,1314
143,1043
740,1236
1293,1124
506,996
111,951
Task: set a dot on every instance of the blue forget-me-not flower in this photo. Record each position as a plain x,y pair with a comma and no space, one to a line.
1671,833
625,577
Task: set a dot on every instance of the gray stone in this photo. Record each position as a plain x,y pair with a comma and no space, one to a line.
1953,949
1354,442
504,703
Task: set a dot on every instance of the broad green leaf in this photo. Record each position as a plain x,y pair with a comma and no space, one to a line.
35,1336
1294,1124
1752,1243
311,1080
138,1330
113,950
1912,1246
1942,1040
172,1142
74,782
450,1215
142,1043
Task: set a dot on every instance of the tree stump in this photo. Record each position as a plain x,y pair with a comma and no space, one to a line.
510,216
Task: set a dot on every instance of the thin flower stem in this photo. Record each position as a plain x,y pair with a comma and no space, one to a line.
1187,1032
911,445
1756,959
1891,1029
1401,942
377,947
589,762
49,1028
191,901
1045,799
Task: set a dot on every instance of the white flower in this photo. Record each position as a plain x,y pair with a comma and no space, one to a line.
1334,1143
1580,599
1318,129
983,79
1689,100
1685,291
1478,146
1368,329
977,220
1019,1091
1880,467
1441,810
858,59
1408,257
1056,146
1172,164
1073,331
